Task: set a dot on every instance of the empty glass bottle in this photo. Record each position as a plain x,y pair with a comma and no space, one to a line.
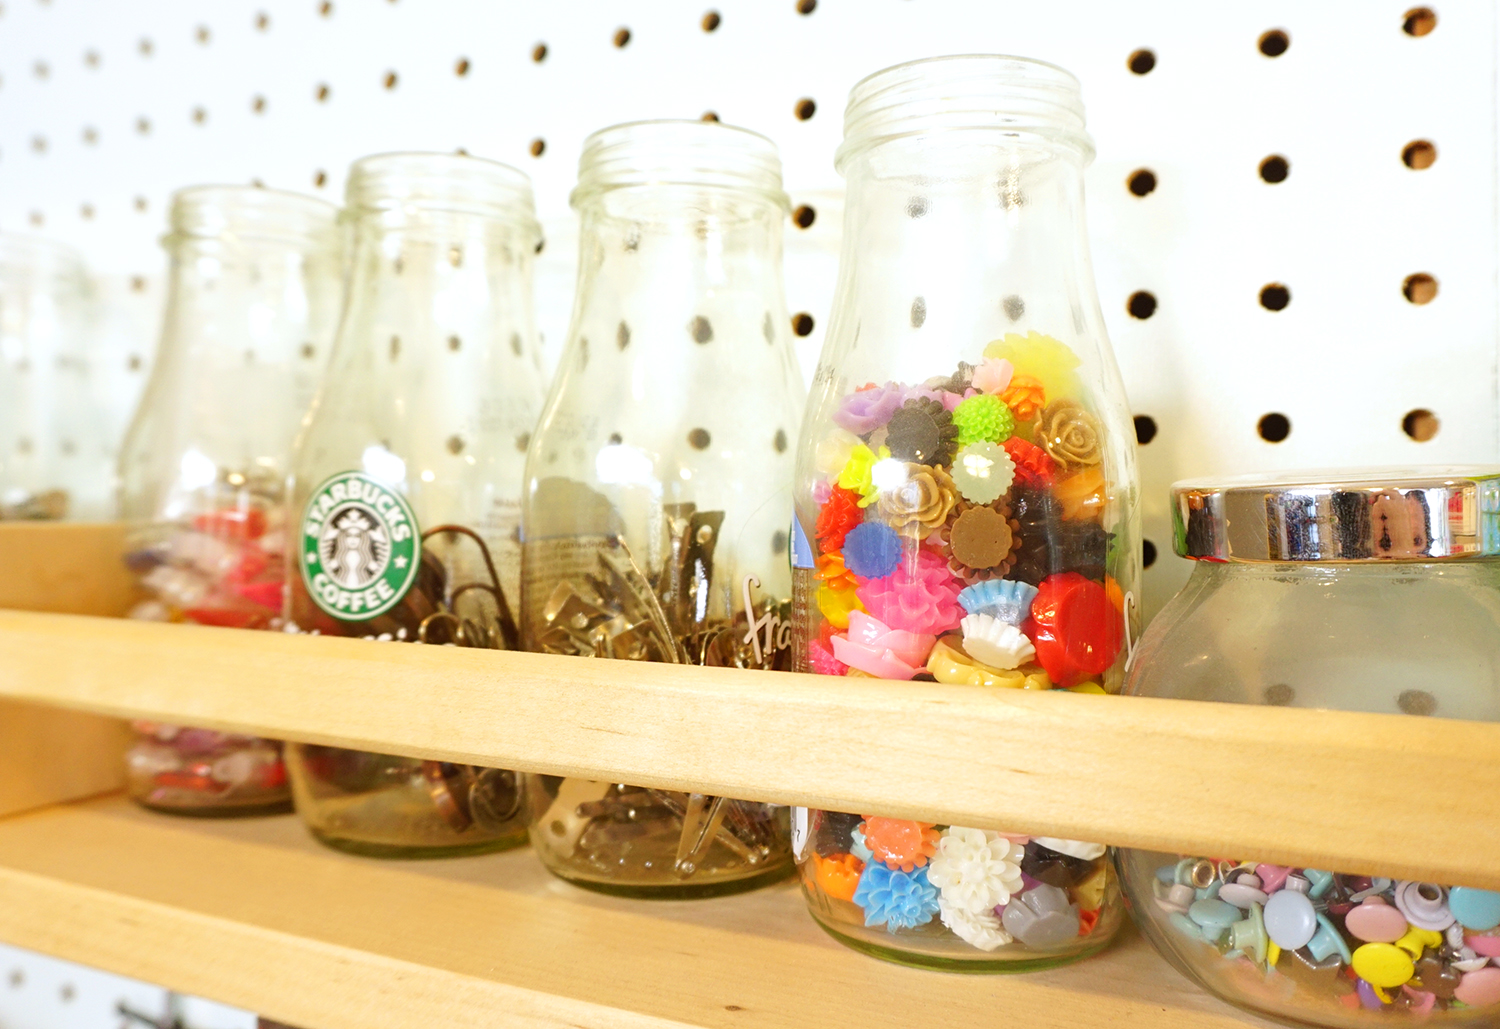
53,454
408,474
657,495
966,489
250,313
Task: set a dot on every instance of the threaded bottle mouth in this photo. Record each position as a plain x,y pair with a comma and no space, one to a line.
1014,96
393,184
208,212
693,154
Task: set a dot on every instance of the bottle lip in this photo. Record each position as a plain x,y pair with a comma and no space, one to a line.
1013,96
1340,516
24,256
211,211
455,183
679,153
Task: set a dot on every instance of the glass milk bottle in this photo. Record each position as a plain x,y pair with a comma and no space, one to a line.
406,499
254,291
658,498
965,490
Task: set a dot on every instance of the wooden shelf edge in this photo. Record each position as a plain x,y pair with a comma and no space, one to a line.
254,914
1297,787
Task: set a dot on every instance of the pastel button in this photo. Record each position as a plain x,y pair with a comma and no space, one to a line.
1475,909
1290,919
1375,921
1383,965
1214,912
1480,989
1489,946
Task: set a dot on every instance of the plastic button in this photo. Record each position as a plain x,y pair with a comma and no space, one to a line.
1290,919
1384,965
1475,909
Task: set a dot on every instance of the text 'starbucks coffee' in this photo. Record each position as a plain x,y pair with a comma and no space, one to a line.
360,546
405,502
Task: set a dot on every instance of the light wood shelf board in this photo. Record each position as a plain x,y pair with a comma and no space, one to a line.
253,913
1307,788
68,567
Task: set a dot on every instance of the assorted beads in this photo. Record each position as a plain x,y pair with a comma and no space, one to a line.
969,513
1370,944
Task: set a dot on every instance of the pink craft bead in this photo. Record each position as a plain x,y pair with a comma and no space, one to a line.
1489,946
921,599
1272,877
1421,1001
1375,921
878,661
822,661
1479,989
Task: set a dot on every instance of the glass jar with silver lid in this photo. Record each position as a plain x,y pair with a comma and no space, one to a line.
1369,591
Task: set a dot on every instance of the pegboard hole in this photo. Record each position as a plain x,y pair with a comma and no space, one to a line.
90,135
1142,182
145,47
1273,427
539,53
1420,288
1145,429
200,115
263,21
91,58
538,147
86,212
1141,305
804,216
1275,43
140,204
320,178
462,67
390,80
323,92
1420,424
1275,296
709,116
805,109
258,105
1141,62
1275,169
325,9
1418,154
1148,553
622,37
203,35
806,6
802,323
1418,21
711,21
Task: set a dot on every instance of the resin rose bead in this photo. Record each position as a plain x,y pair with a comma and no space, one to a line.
1069,433
920,598
921,504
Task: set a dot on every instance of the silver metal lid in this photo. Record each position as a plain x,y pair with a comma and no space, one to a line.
1395,514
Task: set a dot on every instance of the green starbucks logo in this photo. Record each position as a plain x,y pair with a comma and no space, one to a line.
360,547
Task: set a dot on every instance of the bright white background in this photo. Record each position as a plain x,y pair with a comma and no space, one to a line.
1345,361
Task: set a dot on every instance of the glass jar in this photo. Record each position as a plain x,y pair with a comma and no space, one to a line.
254,291
1363,591
657,485
53,451
407,479
966,489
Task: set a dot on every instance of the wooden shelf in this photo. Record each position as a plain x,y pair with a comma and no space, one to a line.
253,913
1307,788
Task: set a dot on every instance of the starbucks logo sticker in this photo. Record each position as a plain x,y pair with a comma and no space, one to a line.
360,547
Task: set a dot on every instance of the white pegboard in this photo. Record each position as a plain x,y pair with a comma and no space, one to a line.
230,92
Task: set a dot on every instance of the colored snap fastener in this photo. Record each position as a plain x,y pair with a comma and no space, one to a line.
1177,899
1375,921
1272,877
1475,909
1369,996
1320,880
1424,905
1479,989
1243,892
1248,936
1384,965
1290,919
1489,946
1213,913
1185,925
1297,884
1327,941
1415,940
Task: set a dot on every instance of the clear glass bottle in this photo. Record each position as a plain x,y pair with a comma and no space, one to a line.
254,291
408,474
53,459
658,492
1363,591
966,490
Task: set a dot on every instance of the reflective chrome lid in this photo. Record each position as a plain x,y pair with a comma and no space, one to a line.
1395,514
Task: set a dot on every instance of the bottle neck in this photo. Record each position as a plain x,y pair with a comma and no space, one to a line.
962,236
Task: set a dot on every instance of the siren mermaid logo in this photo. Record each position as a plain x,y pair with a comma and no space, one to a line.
360,547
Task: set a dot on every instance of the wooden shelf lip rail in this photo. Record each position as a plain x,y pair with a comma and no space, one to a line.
251,912
1298,787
